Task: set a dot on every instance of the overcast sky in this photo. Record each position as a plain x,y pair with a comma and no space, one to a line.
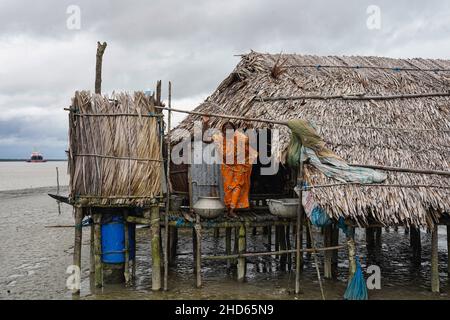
191,43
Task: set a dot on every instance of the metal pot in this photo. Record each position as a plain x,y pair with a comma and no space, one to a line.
285,208
209,207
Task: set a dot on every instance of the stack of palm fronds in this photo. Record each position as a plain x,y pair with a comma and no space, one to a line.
114,152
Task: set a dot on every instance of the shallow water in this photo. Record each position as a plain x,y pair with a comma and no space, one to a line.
34,258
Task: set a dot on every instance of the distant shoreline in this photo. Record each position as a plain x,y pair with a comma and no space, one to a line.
25,160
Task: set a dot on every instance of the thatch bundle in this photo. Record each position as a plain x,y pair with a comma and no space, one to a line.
410,132
114,152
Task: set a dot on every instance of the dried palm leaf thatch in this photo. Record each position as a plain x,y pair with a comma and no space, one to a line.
408,133
114,149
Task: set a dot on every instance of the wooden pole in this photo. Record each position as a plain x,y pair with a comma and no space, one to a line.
166,216
327,270
316,261
351,254
126,272
198,258
416,243
173,244
335,256
91,246
228,245
133,270
300,215
378,240
216,233
156,249
262,254
448,251
78,241
98,67
98,250
282,237
242,243
288,247
434,260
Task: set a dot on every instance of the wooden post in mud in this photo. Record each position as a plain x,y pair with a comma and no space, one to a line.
282,238
133,270
198,257
378,232
77,245
415,242
98,250
448,251
228,245
98,66
156,249
434,260
126,272
351,253
173,244
91,244
327,235
242,243
288,246
299,230
370,237
335,255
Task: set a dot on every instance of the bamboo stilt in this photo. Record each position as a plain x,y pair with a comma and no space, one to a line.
299,231
199,252
327,270
282,238
448,251
126,272
78,241
351,256
288,247
173,244
434,260
335,255
98,250
156,249
242,243
416,243
378,240
133,270
228,245
216,233
92,249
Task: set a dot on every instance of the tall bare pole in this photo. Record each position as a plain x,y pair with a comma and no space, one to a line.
98,67
300,215
166,217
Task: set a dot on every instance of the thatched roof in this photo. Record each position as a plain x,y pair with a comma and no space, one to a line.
408,132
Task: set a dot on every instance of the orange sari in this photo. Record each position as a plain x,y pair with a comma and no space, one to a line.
236,176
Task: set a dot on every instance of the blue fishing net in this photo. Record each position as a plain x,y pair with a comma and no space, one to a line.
357,289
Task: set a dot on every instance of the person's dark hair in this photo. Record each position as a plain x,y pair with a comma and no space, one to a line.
228,123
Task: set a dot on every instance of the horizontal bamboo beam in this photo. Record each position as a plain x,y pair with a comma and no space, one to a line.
399,169
216,115
114,157
395,69
113,114
353,97
374,185
270,253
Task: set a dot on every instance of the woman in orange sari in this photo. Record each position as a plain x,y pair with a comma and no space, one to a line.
237,159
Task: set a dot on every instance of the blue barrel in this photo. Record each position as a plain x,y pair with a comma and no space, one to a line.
113,240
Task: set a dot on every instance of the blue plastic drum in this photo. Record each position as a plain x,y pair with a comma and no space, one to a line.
113,240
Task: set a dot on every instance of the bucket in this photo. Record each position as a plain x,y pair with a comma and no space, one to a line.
113,240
